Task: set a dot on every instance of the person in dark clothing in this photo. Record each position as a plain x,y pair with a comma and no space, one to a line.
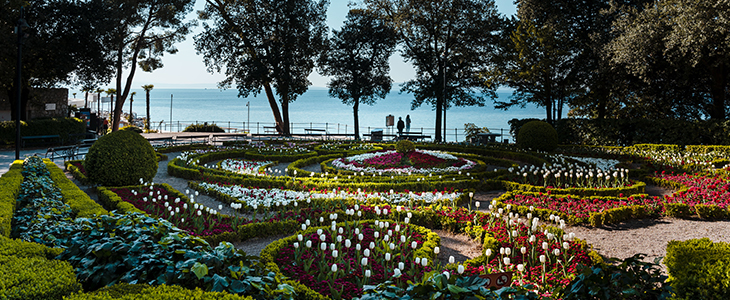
401,125
408,123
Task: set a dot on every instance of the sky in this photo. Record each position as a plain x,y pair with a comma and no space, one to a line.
186,69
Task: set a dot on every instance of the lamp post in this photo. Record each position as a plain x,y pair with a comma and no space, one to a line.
19,31
170,112
248,121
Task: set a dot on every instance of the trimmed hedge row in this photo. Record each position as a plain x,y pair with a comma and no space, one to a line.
698,269
9,188
637,188
28,271
80,203
63,127
123,291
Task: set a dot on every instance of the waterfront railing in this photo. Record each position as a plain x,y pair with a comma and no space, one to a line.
338,129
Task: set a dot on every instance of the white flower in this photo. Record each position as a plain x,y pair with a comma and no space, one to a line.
451,259
367,273
460,269
334,253
542,258
566,245
424,261
521,267
334,268
506,261
309,244
436,250
364,261
366,252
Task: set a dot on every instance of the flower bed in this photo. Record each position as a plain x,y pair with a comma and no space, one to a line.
701,189
185,214
339,260
390,161
241,166
579,209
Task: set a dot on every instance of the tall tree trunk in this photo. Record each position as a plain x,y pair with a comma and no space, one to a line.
274,108
355,109
147,124
285,112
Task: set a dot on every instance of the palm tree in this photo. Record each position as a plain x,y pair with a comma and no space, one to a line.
111,92
86,91
147,88
98,102
131,99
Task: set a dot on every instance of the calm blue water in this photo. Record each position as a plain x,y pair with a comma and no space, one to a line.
315,106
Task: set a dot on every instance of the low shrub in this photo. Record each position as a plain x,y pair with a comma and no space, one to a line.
9,187
677,210
161,292
711,212
205,127
404,146
80,202
121,158
537,135
698,269
25,278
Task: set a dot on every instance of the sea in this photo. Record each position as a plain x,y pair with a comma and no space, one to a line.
173,109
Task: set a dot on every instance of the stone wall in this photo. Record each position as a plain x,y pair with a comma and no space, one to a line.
42,103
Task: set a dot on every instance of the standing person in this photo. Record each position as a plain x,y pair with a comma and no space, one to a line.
400,126
408,123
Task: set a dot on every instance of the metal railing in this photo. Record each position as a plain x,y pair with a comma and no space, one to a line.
333,129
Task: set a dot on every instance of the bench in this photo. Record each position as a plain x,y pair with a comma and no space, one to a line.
413,137
55,137
65,152
382,135
160,141
270,129
487,137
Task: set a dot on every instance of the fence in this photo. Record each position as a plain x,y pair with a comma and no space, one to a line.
257,128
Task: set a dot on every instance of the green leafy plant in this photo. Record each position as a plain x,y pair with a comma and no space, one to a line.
630,279
205,127
404,146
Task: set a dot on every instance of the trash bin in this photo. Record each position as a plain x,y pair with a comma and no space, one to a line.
376,135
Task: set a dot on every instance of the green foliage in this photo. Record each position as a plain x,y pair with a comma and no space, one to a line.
20,248
132,128
471,131
677,210
630,279
63,127
162,292
205,127
112,201
439,286
698,269
9,187
711,212
537,135
404,146
39,278
121,158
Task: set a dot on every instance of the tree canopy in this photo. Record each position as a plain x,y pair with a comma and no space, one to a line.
449,42
357,58
261,43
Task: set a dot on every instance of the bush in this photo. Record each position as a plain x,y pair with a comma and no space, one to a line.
121,158
698,269
9,187
404,146
537,135
162,292
36,278
203,128
132,128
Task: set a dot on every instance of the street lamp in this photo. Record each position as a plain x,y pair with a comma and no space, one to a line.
19,31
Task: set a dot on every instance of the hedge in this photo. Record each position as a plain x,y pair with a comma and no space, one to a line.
698,269
80,203
63,127
160,292
637,188
28,271
9,188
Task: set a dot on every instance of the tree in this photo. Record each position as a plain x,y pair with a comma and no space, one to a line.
131,100
358,60
449,42
689,38
111,92
537,67
147,88
145,30
261,43
64,40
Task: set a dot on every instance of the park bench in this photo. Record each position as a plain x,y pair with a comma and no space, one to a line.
413,136
487,137
270,130
375,139
160,141
65,152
